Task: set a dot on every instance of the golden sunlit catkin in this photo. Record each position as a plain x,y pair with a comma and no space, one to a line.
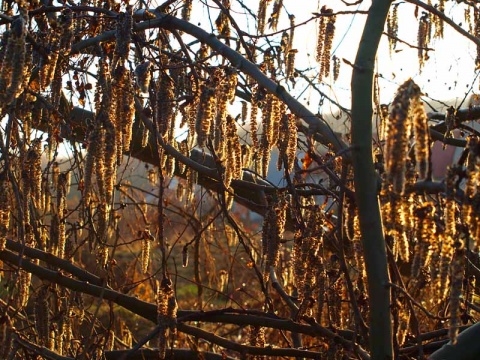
166,314
468,19
244,113
126,334
6,335
61,213
435,262
327,46
165,105
400,211
66,32
450,116
146,248
322,24
233,153
403,326
51,340
118,108
268,63
287,38
143,76
123,36
456,283
292,142
425,235
470,215
110,340
254,117
111,159
23,284
314,278
273,228
94,146
256,336
48,64
302,273
205,115
223,22
336,67
446,256
247,156
470,293
123,106
358,249
438,21
392,27
471,184
422,138
5,208
276,10
54,234
231,81
187,9
100,167
290,65
321,285
262,15
282,142
326,32
236,148
145,137
423,38
33,165
42,316
270,241
219,130
271,116
298,262
447,245
12,71
398,132
59,56
102,252
287,142
152,177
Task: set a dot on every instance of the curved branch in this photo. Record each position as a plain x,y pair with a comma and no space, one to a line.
55,262
246,349
177,354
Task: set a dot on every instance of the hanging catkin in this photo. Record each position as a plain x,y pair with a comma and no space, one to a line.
407,110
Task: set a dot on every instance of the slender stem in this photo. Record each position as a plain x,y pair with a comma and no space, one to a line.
366,186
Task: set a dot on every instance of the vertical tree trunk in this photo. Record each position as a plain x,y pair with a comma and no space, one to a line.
366,185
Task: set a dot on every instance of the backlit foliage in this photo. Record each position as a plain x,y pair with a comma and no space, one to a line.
407,114
423,37
392,27
163,188
326,32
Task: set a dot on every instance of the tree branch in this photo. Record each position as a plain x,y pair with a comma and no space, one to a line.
149,311
166,21
366,184
445,18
